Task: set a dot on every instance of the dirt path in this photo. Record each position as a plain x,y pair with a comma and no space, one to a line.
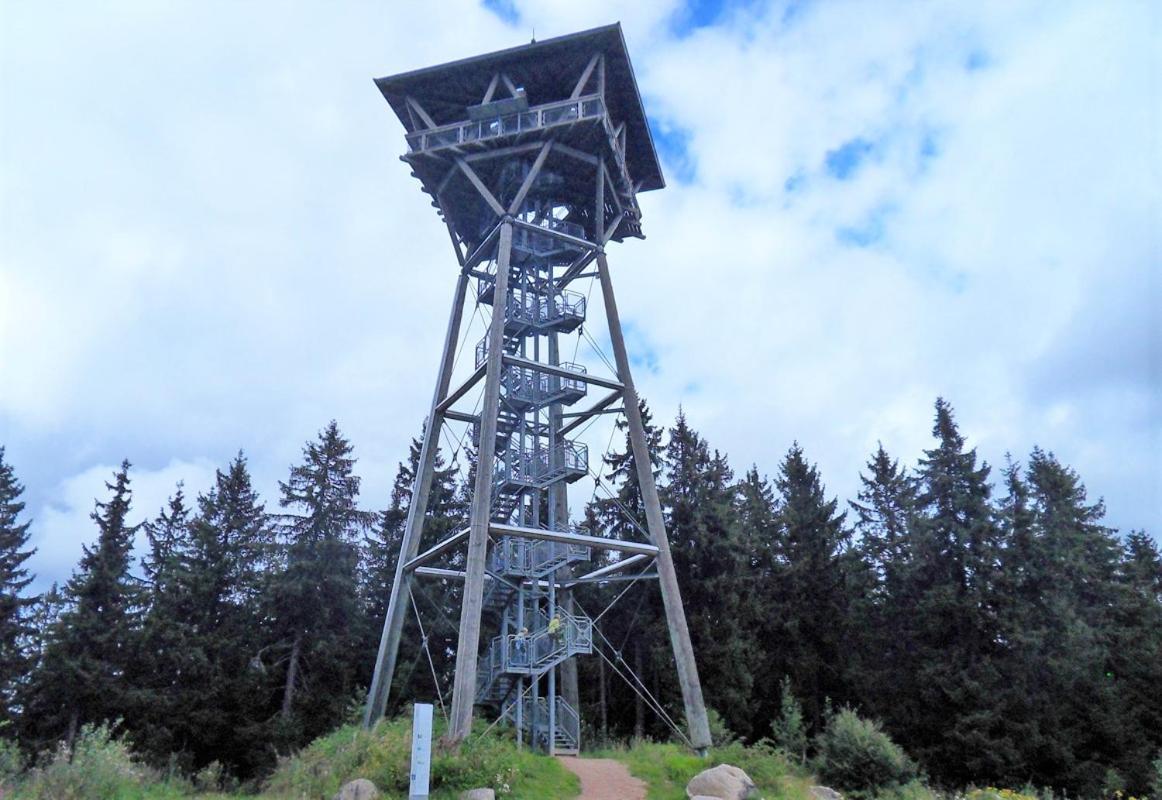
604,779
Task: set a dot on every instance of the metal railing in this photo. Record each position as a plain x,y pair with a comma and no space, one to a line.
534,557
531,310
564,112
526,387
542,649
538,467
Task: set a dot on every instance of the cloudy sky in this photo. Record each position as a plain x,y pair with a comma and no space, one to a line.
207,241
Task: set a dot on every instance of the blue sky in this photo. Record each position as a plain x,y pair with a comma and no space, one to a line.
207,241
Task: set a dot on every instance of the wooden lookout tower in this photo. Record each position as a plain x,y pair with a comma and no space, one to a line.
533,157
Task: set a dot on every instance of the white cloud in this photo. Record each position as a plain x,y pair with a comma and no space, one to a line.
207,242
63,527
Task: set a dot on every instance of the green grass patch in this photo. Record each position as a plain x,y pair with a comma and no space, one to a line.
383,756
668,767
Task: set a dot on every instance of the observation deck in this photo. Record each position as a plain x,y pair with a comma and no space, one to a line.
469,122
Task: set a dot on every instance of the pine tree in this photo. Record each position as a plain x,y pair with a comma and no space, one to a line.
709,554
15,606
1061,647
83,674
1135,660
162,652
447,510
315,592
224,585
810,589
885,512
949,616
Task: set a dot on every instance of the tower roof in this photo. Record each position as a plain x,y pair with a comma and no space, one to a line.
547,71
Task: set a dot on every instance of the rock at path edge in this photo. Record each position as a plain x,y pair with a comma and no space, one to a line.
478,794
724,782
825,793
358,789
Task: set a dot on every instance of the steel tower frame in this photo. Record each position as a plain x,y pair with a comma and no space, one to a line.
533,157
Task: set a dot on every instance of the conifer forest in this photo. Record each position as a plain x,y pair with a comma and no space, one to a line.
986,615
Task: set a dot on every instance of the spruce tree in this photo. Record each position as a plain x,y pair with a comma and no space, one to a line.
709,555
1135,664
885,511
810,590
447,511
949,613
224,587
315,591
83,675
15,605
162,657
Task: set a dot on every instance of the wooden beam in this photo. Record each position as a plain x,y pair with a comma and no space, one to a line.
423,115
597,408
491,88
463,389
549,369
530,179
480,187
695,706
580,155
437,550
472,602
596,542
580,87
414,526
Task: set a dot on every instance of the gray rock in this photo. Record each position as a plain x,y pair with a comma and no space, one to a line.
358,789
824,793
724,782
478,794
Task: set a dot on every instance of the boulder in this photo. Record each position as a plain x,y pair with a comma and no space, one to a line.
824,793
478,794
723,782
358,789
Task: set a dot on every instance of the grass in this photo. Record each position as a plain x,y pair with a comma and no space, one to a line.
383,757
102,766
668,767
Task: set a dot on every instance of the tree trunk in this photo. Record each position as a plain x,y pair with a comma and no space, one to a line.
292,674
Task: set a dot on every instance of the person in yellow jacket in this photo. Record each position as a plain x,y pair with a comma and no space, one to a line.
556,627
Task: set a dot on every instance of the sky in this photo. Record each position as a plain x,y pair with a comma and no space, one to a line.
208,243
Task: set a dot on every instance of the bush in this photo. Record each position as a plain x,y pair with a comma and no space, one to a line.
100,766
383,756
856,756
720,734
11,764
790,733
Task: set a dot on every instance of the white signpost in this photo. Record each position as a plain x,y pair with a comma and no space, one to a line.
421,751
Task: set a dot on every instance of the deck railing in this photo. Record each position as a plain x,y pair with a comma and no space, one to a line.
550,115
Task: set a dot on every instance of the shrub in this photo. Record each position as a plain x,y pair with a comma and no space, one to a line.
11,764
383,756
100,766
720,734
856,756
790,733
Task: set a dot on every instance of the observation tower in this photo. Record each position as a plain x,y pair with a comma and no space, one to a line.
533,157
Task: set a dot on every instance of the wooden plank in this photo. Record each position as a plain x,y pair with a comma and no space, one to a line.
419,110
480,187
580,87
530,179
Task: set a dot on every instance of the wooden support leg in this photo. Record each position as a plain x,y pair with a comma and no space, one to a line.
414,527
464,689
671,597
